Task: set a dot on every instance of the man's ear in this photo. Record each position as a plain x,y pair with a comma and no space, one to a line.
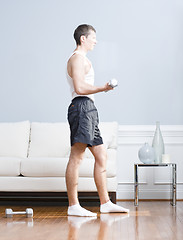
82,38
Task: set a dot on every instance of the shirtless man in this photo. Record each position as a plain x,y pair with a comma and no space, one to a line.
83,121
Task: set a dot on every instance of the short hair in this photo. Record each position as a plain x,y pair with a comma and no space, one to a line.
81,30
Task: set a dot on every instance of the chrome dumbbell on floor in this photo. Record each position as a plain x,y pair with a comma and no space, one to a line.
28,212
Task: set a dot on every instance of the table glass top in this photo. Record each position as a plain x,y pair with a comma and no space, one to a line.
154,164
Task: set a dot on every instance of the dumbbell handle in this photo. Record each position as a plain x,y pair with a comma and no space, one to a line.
19,213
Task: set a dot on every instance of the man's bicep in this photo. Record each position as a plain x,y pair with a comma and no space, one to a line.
78,73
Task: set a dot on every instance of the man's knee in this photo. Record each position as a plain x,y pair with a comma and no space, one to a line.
101,157
77,153
75,159
101,162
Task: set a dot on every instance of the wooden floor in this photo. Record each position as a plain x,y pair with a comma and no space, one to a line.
148,221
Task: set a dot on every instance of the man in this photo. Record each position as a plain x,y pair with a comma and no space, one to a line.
83,120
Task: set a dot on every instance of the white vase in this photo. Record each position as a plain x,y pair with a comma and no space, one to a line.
158,144
146,154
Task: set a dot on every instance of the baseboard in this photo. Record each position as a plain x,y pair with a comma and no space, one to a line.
51,196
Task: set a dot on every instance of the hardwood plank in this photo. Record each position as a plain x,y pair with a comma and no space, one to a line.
149,221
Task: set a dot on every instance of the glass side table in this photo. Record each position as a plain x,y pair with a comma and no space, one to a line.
173,183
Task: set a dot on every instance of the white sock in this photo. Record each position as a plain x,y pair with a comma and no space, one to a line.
111,207
77,210
78,221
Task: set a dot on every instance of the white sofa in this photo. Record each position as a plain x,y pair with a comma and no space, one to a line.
34,156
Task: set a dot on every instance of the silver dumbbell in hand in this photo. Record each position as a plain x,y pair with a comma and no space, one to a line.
28,212
113,83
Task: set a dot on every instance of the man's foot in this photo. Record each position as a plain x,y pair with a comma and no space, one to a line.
77,210
110,207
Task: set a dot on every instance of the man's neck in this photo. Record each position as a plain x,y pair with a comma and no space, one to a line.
81,50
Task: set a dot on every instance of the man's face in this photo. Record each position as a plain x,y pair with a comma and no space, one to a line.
91,40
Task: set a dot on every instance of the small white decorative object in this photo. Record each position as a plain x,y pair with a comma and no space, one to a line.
146,154
165,158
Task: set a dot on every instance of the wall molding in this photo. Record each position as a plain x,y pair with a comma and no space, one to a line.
148,130
141,143
131,183
135,134
166,183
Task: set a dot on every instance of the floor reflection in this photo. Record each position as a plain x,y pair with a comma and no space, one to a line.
105,223
29,222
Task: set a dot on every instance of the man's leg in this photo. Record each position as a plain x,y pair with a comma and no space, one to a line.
100,155
72,173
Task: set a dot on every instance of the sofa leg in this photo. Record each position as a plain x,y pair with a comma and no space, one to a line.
112,196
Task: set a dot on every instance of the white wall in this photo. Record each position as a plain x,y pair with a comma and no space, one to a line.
139,43
154,182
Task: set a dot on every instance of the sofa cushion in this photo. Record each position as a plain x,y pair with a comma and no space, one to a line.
56,167
14,139
43,167
109,132
49,140
10,166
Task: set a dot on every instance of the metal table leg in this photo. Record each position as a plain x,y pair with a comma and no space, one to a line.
136,197
174,183
173,188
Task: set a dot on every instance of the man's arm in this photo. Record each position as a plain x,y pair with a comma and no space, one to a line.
78,76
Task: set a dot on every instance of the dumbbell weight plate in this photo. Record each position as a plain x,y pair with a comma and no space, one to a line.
29,212
8,212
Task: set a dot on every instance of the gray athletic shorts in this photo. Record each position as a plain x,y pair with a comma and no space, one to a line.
83,120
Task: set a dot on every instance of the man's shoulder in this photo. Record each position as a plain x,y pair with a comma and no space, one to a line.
76,59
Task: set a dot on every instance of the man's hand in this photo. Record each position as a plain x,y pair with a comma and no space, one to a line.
108,87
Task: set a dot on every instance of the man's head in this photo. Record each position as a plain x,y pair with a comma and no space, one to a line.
82,32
